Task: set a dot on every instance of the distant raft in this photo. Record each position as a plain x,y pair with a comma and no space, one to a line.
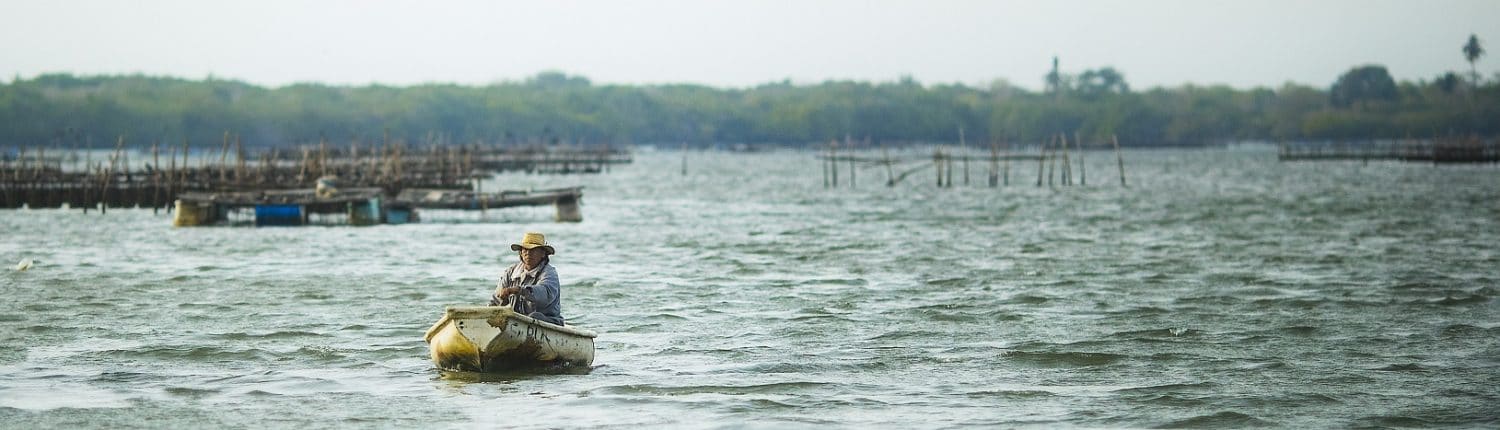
496,338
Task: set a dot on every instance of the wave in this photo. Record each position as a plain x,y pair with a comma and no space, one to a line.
1157,333
1063,359
1009,394
189,353
1218,420
678,390
1407,367
1195,387
288,334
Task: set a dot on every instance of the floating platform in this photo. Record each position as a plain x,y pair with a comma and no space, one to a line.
565,199
357,206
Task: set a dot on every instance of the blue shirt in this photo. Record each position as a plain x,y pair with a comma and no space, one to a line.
541,292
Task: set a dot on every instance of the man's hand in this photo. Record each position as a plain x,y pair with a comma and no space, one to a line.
509,291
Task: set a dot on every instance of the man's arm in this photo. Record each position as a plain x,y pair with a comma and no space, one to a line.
546,289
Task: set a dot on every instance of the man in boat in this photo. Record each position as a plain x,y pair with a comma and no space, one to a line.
531,285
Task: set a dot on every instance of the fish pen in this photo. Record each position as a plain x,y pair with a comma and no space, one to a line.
1436,151
945,160
160,175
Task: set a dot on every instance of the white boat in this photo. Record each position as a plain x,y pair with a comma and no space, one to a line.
496,338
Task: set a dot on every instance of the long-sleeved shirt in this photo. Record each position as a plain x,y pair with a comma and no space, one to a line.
540,291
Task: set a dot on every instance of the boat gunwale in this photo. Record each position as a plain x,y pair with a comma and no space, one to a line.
487,312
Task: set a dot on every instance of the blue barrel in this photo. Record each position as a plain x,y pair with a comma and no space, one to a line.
400,215
278,215
367,213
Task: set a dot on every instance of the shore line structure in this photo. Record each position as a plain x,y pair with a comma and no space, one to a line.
1055,159
1436,151
365,185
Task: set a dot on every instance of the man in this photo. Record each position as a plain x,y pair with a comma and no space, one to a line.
531,285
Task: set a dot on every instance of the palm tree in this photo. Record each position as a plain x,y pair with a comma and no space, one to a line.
1472,52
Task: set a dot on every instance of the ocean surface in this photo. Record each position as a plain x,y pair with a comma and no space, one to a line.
1220,289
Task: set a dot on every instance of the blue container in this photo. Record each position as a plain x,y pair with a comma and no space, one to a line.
278,215
397,215
367,213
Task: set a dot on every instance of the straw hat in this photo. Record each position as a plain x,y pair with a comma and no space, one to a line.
533,240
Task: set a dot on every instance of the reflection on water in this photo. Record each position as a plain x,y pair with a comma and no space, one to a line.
1222,289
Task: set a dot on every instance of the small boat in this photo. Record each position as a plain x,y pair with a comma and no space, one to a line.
496,338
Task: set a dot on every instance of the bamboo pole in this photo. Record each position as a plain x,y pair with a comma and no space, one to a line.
1067,163
88,180
302,170
937,164
1083,169
994,178
1051,164
155,179
964,148
823,162
323,156
1120,159
183,184
1006,144
1041,161
224,158
171,176
850,143
239,152
890,174
833,166
109,175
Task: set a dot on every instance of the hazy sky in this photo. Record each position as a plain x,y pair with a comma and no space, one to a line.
743,43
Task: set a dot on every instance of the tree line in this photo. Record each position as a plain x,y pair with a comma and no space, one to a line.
1363,103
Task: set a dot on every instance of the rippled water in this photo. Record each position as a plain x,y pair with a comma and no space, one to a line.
1222,289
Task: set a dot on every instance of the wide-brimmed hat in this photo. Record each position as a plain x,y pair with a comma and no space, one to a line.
533,240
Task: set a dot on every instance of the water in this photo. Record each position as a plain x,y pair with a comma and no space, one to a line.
1221,289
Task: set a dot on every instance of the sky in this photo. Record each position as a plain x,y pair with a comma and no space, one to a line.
744,43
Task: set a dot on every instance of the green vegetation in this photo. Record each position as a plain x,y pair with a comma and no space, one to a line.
1363,103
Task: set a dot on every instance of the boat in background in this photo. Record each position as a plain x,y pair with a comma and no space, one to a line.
496,338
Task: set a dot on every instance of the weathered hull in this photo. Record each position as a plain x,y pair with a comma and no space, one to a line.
493,338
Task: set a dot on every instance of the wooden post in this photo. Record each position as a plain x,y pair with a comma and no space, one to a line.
1083,172
172,178
239,150
302,172
850,143
109,175
1006,144
948,169
182,183
354,157
323,155
937,164
155,179
1051,163
224,159
88,181
890,174
833,164
994,163
1067,165
1119,158
963,147
823,162
1041,161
